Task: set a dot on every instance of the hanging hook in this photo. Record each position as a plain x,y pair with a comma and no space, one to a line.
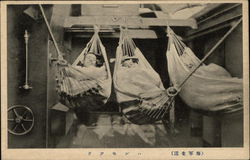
125,27
168,30
121,34
96,28
141,21
125,24
124,21
120,27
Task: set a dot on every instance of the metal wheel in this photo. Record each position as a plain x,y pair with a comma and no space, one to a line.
20,120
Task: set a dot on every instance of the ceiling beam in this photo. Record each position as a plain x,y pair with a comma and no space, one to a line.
127,21
224,17
207,9
133,33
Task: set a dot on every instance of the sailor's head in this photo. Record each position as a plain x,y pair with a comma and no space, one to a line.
129,62
89,59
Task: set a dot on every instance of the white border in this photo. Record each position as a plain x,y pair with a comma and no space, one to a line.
152,153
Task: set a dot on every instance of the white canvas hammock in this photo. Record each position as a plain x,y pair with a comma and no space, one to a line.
76,82
208,87
139,90
76,85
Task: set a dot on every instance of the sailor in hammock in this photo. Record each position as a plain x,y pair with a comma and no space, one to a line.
130,62
141,80
90,67
209,87
85,78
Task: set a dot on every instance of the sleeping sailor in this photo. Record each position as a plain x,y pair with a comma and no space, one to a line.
130,62
138,79
89,68
89,78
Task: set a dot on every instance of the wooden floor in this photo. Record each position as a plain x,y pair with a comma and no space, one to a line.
109,132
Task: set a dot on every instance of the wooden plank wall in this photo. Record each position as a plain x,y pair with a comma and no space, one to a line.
36,98
218,130
60,12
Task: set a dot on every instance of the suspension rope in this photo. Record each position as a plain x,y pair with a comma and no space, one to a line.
60,57
207,55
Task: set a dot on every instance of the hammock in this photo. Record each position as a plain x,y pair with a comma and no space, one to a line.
79,85
139,90
209,87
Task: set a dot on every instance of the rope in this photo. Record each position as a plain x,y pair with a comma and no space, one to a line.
207,55
51,34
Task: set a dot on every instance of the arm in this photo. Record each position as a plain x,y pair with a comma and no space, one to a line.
83,73
76,72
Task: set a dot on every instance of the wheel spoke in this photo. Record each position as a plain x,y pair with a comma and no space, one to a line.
23,127
11,119
14,128
27,120
24,113
14,110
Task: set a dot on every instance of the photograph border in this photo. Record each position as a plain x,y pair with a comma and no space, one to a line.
134,153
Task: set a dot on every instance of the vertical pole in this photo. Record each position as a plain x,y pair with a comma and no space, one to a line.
26,85
26,37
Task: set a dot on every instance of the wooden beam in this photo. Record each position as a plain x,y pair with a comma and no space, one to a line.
219,13
220,19
206,10
128,21
205,32
135,34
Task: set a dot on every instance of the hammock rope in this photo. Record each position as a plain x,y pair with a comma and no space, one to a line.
153,104
128,47
70,83
182,46
60,57
182,67
94,45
